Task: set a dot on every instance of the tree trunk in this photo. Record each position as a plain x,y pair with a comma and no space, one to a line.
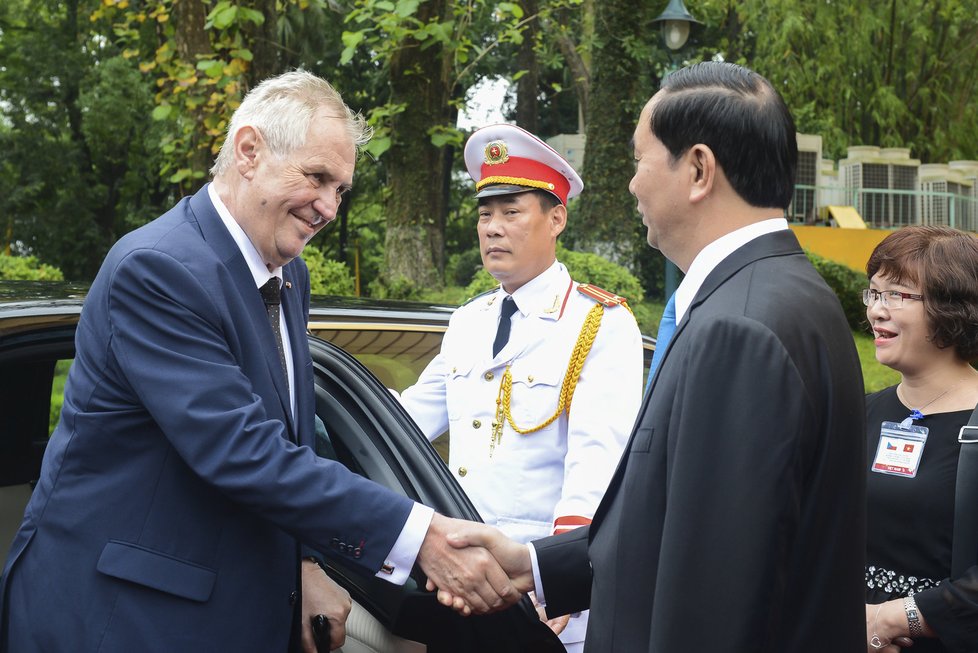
266,60
606,206
414,244
189,17
528,86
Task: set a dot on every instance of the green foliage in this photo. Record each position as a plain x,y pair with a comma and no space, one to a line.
591,268
848,285
396,288
27,267
58,393
327,277
480,283
875,375
881,73
463,266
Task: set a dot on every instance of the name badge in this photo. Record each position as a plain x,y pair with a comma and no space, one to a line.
900,449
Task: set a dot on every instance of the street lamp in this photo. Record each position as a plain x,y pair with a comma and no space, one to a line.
676,21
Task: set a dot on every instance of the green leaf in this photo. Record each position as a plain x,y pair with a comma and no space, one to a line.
441,135
162,112
211,67
242,53
224,17
519,74
377,146
511,8
252,15
406,8
353,39
180,175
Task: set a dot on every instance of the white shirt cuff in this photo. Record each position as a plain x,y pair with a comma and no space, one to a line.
537,581
397,567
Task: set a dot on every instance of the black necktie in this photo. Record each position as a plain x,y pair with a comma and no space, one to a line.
505,324
272,294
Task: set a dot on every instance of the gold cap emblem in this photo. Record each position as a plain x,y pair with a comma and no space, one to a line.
496,153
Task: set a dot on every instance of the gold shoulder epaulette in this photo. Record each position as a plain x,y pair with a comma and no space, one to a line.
601,296
481,294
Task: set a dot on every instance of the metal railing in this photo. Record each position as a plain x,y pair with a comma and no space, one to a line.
883,208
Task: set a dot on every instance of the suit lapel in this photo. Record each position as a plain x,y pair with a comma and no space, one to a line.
295,324
217,236
778,243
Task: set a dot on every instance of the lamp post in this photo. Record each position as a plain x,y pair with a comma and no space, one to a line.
676,22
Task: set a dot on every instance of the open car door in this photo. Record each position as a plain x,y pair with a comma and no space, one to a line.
368,431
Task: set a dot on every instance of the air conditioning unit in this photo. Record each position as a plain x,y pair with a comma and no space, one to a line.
804,202
947,196
969,174
880,183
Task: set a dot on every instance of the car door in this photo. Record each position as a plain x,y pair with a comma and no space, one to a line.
366,429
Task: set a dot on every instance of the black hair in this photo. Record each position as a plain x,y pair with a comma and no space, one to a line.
741,118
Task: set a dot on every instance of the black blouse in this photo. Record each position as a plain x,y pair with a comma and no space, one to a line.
910,523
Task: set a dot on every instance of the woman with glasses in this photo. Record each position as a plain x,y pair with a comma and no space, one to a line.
922,305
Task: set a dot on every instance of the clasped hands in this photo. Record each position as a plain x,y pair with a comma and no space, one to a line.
474,567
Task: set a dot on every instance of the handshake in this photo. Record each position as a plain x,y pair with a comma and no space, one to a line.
474,567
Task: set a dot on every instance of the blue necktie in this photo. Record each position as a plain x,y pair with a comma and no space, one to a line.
667,326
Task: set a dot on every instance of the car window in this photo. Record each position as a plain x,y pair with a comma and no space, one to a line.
32,387
361,425
396,354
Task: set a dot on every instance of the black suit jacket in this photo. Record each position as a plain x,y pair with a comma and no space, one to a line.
735,520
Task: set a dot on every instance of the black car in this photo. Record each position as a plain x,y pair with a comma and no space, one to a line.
359,349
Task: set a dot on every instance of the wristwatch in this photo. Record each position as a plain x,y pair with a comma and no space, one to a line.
913,616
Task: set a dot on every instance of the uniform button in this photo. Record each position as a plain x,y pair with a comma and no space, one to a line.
476,423
454,369
489,376
462,471
292,598
530,378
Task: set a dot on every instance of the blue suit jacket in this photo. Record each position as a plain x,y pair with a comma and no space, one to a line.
172,496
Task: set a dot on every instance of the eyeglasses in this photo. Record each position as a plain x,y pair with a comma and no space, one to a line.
892,299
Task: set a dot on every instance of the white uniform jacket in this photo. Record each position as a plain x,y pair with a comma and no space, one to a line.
559,473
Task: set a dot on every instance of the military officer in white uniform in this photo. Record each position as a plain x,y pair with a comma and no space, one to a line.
537,427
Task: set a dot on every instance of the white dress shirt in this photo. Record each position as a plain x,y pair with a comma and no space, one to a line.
402,556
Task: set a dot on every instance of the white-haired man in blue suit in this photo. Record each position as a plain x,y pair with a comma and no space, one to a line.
180,482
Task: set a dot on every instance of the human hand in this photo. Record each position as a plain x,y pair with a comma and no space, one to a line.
513,557
886,627
322,596
467,578
557,624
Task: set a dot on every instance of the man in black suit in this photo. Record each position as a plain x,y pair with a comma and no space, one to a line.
735,519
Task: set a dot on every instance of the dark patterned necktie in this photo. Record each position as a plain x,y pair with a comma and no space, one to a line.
272,294
505,325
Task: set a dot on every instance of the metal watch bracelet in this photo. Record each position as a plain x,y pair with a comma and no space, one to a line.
913,616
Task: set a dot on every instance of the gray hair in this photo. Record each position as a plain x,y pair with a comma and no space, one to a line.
282,108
